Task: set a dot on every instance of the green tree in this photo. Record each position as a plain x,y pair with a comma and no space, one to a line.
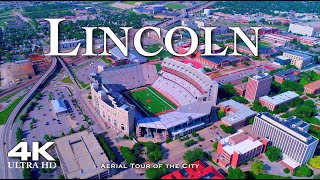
303,171
8,57
315,162
221,114
215,145
193,155
155,156
236,173
71,131
156,173
286,170
257,167
19,135
245,79
251,120
273,153
227,129
128,155
82,128
26,173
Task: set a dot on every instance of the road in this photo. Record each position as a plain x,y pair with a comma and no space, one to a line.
184,13
64,65
7,129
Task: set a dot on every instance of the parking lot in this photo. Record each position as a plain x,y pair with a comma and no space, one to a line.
83,70
175,150
46,121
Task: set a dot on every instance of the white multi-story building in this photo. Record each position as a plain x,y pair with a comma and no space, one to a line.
300,29
290,135
298,59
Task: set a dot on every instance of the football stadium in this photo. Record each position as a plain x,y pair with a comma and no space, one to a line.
137,98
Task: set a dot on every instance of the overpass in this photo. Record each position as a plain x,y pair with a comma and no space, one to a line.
71,75
6,136
184,14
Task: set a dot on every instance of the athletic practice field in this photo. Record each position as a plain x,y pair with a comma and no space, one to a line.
152,101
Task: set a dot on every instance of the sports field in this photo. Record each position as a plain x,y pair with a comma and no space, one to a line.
152,101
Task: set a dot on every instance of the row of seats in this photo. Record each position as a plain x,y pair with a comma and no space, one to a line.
203,80
185,84
131,77
173,91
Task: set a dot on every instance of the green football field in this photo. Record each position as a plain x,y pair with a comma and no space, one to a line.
153,101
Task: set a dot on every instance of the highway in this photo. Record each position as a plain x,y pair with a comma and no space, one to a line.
64,65
8,136
184,13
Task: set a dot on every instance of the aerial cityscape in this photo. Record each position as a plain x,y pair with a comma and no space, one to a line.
194,116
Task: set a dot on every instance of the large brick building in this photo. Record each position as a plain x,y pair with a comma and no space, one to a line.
312,88
258,86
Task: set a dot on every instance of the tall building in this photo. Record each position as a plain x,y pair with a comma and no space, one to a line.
290,135
258,85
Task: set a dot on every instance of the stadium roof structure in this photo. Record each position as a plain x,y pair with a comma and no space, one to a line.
219,59
59,106
182,115
132,55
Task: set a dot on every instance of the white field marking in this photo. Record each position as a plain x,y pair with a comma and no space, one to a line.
160,98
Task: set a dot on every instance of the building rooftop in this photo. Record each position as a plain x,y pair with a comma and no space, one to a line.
201,172
219,59
82,154
283,58
239,142
260,76
293,126
280,98
59,106
314,85
242,111
241,86
183,114
295,53
132,55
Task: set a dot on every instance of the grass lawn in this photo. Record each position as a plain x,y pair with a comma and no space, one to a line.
133,2
67,80
261,44
107,61
155,47
153,101
158,67
5,113
175,6
251,175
